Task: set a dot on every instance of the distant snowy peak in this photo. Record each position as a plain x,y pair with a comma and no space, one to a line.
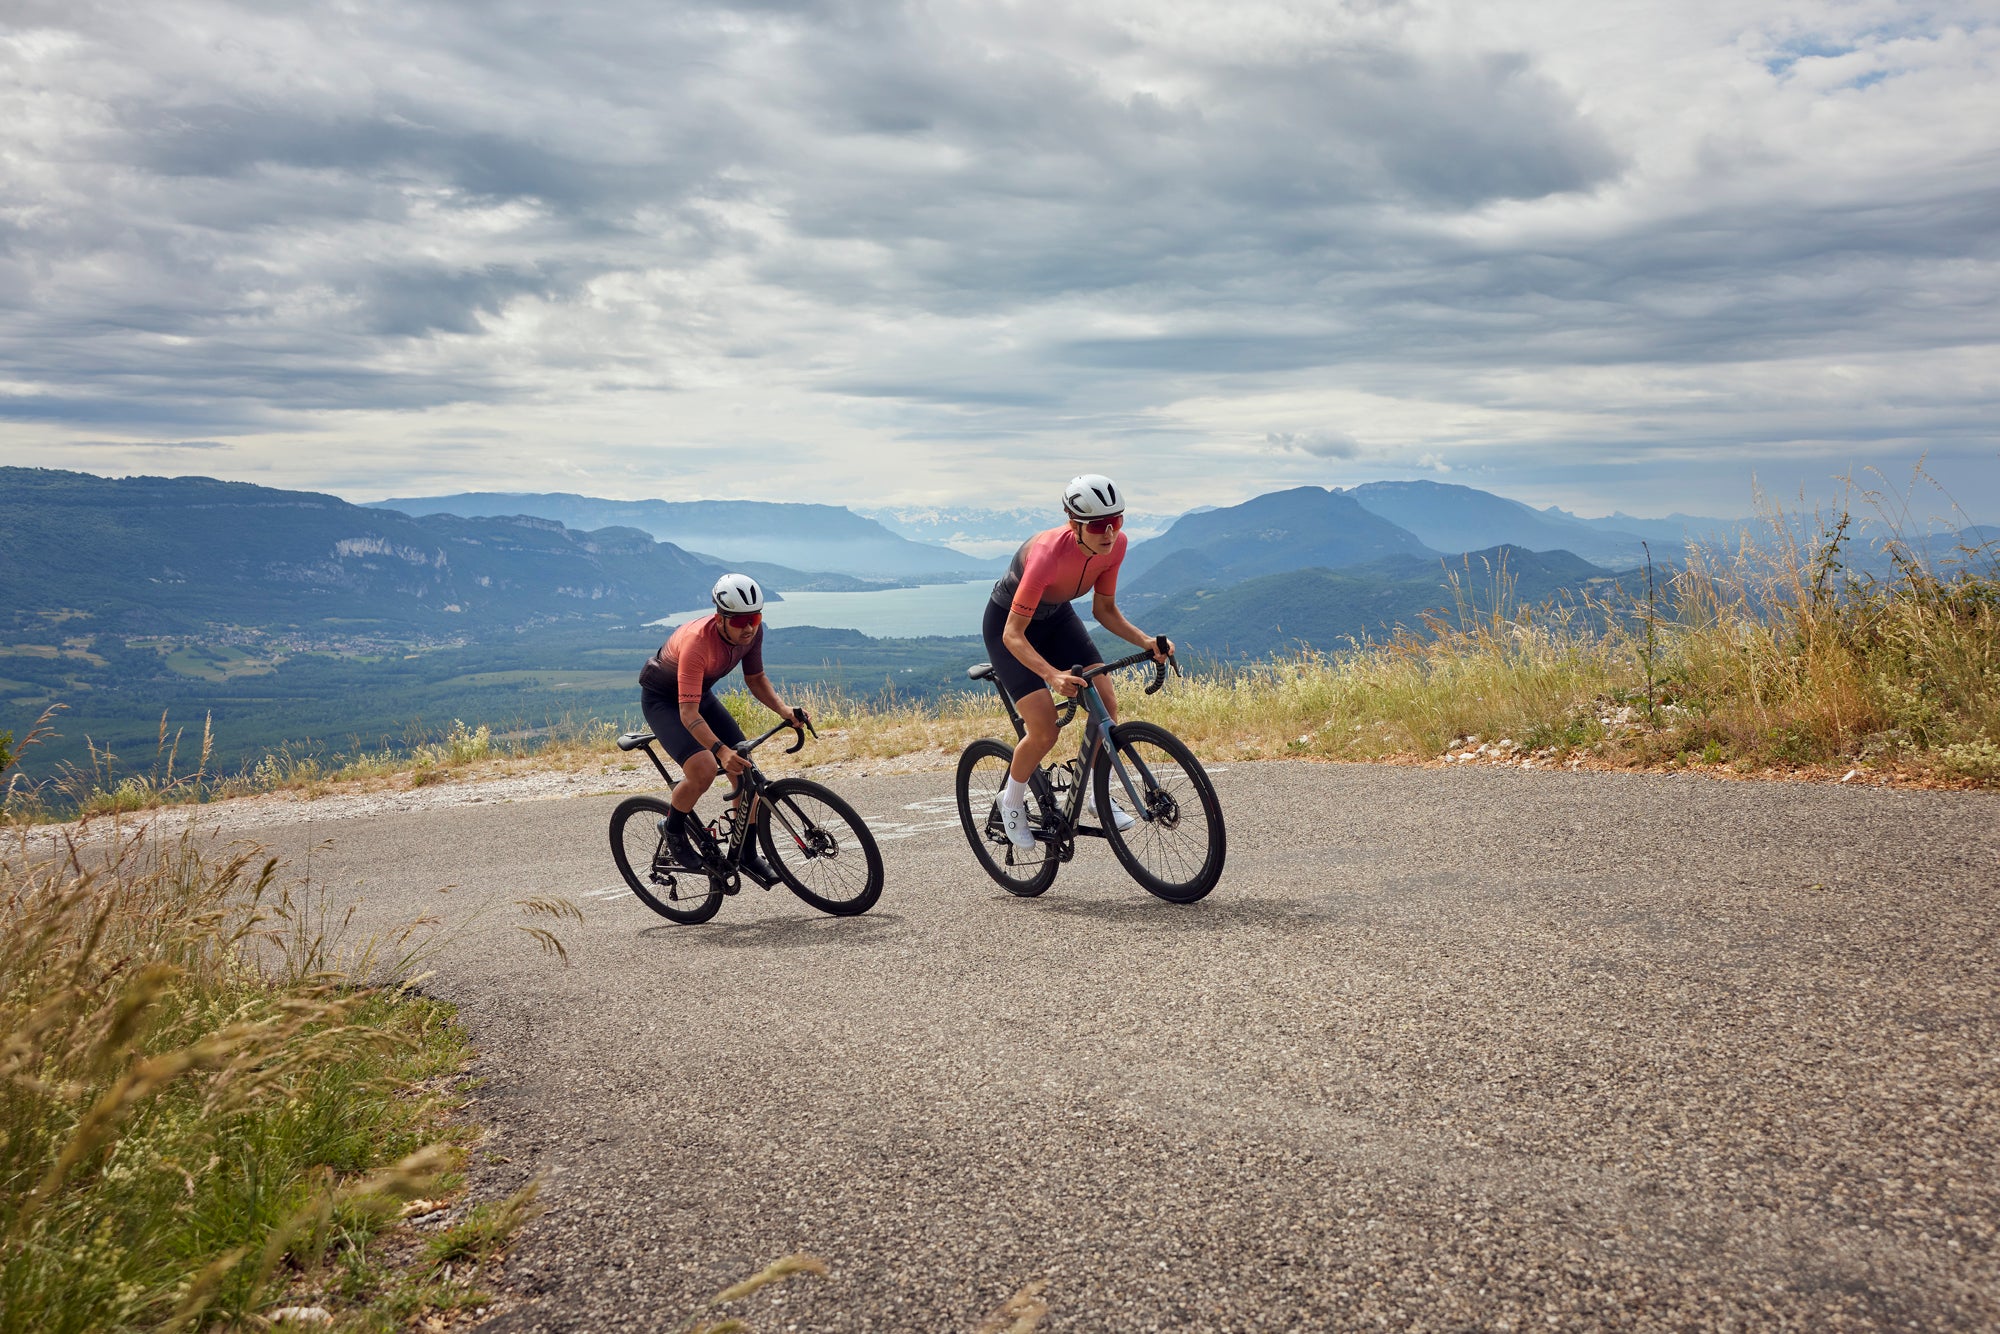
991,532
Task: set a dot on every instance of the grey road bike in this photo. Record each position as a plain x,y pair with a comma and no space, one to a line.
1176,845
812,838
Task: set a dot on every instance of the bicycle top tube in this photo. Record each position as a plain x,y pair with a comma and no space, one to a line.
746,747
1087,672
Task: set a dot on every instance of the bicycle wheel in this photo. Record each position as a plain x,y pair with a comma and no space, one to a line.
820,847
982,771
662,884
1178,853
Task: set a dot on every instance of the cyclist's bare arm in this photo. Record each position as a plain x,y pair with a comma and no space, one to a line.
730,762
1104,610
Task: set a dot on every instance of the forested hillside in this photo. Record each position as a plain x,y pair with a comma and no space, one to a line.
161,555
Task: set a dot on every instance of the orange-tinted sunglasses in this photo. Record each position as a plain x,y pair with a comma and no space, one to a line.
744,621
1098,527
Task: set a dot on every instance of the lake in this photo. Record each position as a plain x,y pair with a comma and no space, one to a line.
888,613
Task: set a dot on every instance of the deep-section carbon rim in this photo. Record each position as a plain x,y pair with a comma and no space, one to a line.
1178,853
820,847
982,771
640,852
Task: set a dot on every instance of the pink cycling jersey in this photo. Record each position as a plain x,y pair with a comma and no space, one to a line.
1052,569
695,657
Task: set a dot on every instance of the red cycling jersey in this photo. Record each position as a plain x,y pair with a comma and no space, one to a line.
1052,569
695,657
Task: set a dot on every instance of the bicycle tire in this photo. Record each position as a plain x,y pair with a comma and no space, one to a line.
978,784
635,837
1176,873
795,863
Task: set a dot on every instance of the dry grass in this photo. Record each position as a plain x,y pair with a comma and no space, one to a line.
212,1100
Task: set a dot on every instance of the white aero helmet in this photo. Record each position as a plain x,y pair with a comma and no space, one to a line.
737,595
1092,496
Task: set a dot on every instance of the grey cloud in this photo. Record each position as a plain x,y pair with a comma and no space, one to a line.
227,250
412,301
147,444
1320,444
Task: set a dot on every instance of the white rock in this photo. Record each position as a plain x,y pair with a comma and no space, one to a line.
301,1315
1850,775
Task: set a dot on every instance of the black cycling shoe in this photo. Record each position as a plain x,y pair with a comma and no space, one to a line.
678,845
755,866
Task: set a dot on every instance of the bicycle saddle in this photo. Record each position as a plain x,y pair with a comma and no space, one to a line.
634,740
980,671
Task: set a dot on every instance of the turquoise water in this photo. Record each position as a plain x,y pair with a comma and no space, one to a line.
889,613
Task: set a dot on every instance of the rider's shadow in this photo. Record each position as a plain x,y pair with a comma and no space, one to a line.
786,933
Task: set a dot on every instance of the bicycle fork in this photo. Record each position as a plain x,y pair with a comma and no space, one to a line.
1098,733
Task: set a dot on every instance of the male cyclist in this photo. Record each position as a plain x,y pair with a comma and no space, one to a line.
677,696
1030,627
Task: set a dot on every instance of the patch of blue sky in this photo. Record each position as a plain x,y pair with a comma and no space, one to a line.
1820,46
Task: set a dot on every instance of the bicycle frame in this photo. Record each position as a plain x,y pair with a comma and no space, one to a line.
752,781
1097,735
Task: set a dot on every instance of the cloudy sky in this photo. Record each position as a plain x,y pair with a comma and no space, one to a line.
1594,253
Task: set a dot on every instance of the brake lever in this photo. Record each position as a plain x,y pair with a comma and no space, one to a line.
1160,668
800,728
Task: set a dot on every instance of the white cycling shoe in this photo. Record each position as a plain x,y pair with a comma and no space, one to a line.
1119,817
1014,819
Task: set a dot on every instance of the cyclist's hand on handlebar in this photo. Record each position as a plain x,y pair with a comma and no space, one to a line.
799,719
1066,684
1162,654
733,763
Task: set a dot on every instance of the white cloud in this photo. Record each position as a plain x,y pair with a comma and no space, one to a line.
1611,254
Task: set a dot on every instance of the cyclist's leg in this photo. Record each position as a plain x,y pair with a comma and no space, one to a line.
663,715
1065,641
1038,714
1031,697
701,763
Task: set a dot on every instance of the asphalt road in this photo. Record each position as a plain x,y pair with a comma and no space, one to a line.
1446,1049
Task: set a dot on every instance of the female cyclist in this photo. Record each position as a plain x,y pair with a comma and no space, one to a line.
677,696
1030,627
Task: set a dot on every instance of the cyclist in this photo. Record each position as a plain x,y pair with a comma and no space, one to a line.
677,697
1030,626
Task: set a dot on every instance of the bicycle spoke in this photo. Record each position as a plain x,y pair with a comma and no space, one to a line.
820,848
982,774
1175,843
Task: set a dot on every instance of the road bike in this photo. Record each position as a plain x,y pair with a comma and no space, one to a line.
1176,845
819,847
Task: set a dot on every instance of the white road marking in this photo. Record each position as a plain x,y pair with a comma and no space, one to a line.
888,831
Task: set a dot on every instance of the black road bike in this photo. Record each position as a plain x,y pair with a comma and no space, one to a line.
1176,845
817,844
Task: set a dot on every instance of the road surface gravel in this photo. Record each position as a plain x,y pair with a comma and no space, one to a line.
1447,1049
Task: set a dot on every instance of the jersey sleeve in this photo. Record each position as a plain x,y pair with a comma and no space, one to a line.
1107,583
1036,570
692,667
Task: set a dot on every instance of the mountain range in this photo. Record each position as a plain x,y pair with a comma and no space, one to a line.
1283,530
990,532
1451,518
1325,609
804,537
153,555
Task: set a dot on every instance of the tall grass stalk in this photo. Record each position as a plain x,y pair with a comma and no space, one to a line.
208,1095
